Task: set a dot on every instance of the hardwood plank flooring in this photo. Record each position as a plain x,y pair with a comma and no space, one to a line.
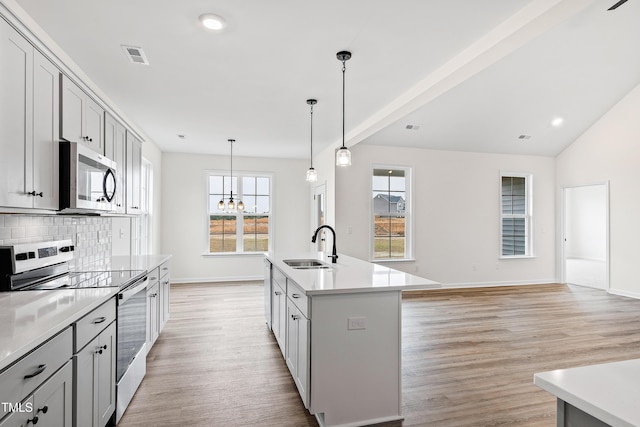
468,355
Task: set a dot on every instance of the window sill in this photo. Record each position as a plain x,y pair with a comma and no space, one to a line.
517,257
392,260
230,254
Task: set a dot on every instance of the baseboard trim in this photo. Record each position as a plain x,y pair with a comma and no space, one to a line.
176,280
494,284
629,294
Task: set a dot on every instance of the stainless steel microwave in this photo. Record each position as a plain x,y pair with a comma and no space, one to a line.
87,180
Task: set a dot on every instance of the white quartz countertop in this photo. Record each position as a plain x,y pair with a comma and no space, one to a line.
28,318
125,262
609,392
348,275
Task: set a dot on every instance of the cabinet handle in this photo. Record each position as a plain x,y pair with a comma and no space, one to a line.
37,372
295,316
34,194
165,268
99,320
295,296
278,293
33,420
44,409
99,351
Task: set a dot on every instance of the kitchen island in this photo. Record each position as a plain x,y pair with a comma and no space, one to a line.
596,395
339,329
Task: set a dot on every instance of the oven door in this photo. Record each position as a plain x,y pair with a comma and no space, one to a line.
87,180
132,324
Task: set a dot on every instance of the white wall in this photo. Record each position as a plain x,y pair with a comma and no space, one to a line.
610,150
456,214
184,219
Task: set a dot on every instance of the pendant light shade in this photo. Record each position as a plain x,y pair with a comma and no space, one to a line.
312,175
343,155
231,204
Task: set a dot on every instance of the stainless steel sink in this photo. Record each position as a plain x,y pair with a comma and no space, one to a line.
305,263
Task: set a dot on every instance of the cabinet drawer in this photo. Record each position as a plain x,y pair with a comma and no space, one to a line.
298,297
164,269
93,323
279,277
24,376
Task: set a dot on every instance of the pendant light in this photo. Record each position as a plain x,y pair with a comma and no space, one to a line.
312,175
230,205
343,155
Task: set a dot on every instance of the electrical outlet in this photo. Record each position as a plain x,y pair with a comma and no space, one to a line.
356,323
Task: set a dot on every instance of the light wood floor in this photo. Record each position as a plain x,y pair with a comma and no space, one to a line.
468,356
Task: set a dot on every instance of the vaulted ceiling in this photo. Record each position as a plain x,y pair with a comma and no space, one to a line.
483,76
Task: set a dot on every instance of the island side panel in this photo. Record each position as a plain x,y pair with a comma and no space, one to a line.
355,373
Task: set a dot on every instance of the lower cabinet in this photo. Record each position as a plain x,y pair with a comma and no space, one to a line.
95,373
50,404
279,314
297,348
165,294
153,313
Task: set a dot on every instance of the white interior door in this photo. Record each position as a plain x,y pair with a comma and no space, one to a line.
586,236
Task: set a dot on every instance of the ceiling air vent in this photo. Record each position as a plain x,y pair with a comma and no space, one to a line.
135,54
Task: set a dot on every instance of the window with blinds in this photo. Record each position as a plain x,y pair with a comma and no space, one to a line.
515,217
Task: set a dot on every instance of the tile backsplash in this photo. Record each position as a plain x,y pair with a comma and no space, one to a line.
91,235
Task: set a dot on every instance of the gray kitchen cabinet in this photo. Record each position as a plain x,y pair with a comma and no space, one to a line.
133,173
164,295
40,385
153,312
278,311
297,348
29,117
52,402
95,372
115,149
267,292
82,117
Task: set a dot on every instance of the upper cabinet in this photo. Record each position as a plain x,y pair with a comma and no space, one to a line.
82,118
134,166
115,149
29,117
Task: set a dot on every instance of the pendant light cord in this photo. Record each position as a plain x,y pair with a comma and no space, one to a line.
231,181
311,133
344,67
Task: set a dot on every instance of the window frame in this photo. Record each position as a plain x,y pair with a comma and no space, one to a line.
528,215
408,214
239,216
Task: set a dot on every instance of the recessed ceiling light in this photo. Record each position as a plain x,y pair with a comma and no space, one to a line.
212,22
557,122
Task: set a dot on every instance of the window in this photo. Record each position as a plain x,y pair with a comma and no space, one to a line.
245,231
515,217
391,210
141,224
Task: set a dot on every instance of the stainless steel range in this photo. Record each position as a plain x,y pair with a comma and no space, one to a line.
45,265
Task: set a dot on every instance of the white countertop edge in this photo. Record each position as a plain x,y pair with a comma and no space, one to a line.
558,387
36,341
371,290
